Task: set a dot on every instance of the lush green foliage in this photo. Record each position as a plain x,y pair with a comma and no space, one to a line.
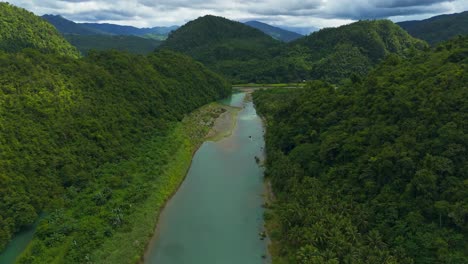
332,54
275,32
375,170
62,118
21,29
113,219
230,48
439,28
132,44
246,55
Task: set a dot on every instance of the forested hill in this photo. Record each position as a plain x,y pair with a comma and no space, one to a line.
228,47
20,29
275,32
64,119
438,28
132,44
129,30
336,53
245,55
374,171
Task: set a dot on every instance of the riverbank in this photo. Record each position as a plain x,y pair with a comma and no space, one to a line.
142,186
216,215
216,121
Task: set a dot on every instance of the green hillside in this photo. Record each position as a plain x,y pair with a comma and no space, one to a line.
335,53
373,171
439,28
132,44
246,55
72,131
230,48
20,29
68,124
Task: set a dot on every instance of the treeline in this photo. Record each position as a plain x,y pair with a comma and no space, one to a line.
374,170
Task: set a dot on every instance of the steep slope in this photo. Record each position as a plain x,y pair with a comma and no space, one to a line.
70,133
66,26
228,47
275,32
20,29
65,120
375,171
439,28
336,53
132,44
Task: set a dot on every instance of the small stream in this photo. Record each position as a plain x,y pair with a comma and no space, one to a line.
216,215
17,245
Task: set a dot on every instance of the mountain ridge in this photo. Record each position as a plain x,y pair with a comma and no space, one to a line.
275,32
439,28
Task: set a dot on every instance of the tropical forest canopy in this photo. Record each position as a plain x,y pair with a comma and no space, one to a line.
374,170
21,29
63,118
368,162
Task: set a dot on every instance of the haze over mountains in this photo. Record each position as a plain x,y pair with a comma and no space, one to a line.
69,27
275,32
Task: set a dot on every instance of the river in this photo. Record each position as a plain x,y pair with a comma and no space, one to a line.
216,215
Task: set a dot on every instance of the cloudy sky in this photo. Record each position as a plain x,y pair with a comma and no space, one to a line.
298,13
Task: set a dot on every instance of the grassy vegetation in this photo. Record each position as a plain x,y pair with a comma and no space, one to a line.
156,170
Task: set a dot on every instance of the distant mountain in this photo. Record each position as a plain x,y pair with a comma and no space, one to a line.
300,30
88,37
129,30
275,32
132,44
231,48
22,29
439,28
66,26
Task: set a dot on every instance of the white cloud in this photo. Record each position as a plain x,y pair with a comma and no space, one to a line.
301,13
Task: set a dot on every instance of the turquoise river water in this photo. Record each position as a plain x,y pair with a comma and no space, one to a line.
216,215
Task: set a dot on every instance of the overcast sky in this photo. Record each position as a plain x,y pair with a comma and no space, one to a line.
299,13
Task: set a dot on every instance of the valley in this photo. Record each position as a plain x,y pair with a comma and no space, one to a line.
230,140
